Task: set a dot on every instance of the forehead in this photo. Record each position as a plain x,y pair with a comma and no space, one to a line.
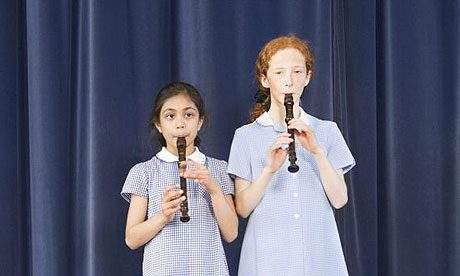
287,58
179,102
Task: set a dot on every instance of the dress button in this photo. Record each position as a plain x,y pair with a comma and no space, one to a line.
295,194
296,216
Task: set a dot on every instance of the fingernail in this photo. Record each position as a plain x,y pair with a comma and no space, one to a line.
181,191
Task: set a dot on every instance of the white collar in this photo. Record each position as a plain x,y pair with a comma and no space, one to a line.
167,156
266,120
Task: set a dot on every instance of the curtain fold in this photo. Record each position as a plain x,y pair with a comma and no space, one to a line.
418,127
79,78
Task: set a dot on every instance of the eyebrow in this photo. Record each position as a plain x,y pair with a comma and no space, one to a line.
296,66
173,109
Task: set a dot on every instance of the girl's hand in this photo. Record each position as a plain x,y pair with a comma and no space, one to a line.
306,136
170,202
276,154
200,174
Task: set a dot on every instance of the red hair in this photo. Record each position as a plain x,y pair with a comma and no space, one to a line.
263,63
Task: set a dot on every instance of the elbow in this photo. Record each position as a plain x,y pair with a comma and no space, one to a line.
130,244
233,234
230,231
231,237
338,204
241,211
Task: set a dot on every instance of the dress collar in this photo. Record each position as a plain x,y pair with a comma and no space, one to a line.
167,156
266,120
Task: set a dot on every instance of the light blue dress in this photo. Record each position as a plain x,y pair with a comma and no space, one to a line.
293,230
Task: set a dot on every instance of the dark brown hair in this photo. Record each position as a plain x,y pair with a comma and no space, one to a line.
263,63
169,91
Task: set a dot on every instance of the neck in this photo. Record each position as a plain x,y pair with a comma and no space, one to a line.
190,149
278,113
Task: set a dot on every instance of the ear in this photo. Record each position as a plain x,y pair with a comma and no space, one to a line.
307,78
158,127
264,81
200,123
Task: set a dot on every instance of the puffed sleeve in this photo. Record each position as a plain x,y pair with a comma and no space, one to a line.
136,182
225,181
338,152
239,161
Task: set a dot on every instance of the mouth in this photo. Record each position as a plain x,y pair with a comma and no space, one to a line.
293,95
181,136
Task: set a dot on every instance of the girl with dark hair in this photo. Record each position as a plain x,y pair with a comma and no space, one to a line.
291,228
172,247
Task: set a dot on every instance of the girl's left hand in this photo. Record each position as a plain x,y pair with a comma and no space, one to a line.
306,135
200,174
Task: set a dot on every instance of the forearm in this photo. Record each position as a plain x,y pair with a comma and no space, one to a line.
333,184
247,199
225,215
139,234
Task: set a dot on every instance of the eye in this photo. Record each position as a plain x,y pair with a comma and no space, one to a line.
278,72
169,116
189,115
298,71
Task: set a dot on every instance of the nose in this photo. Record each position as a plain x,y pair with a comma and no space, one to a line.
180,123
289,81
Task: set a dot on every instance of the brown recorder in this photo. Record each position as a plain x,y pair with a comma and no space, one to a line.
181,145
289,105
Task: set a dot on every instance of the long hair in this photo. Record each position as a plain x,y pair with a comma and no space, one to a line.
262,96
169,91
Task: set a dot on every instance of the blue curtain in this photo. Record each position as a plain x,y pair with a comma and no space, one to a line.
78,79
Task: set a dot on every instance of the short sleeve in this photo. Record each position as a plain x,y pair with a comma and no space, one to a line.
339,154
136,183
226,182
239,162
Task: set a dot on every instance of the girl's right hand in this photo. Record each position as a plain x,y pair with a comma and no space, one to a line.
277,155
170,202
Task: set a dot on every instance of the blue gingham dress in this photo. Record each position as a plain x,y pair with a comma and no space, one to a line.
193,248
292,231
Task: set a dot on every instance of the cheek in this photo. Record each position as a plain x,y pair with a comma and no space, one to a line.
165,129
196,126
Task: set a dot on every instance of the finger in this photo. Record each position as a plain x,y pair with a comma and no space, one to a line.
195,176
202,171
170,211
283,134
193,164
280,148
199,166
174,203
296,120
182,164
198,179
175,210
309,132
284,138
281,142
298,126
293,120
279,151
299,133
173,195
169,188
